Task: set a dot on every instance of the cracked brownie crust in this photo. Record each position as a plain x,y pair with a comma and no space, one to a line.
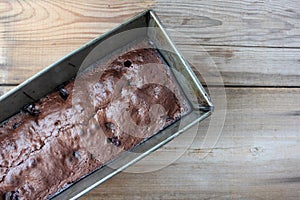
75,130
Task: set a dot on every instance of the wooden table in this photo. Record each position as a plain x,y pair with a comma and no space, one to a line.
256,46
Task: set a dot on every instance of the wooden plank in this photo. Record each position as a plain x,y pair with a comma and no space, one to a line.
237,65
243,23
245,66
260,23
257,66
32,40
256,157
34,34
4,89
253,43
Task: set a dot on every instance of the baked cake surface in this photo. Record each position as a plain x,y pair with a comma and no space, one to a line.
75,130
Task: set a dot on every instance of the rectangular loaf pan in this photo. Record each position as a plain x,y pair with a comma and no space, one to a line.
146,26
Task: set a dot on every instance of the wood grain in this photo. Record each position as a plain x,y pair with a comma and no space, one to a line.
4,89
256,157
34,34
234,23
255,46
237,65
245,66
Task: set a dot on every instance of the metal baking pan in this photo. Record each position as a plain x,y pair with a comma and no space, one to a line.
145,25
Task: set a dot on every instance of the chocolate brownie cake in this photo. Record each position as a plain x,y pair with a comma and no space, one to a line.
109,108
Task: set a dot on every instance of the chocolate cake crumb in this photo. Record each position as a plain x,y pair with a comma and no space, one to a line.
134,98
110,126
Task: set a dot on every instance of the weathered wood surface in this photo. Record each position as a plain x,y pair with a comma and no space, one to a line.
244,66
237,65
254,44
5,89
256,157
34,34
261,23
